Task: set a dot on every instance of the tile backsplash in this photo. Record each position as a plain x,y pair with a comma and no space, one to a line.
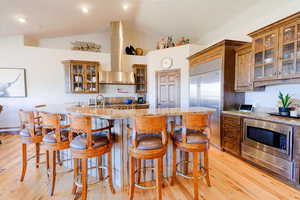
268,99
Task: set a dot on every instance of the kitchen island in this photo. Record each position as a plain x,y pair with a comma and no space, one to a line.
121,120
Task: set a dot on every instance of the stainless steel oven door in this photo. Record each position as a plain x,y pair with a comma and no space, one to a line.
269,126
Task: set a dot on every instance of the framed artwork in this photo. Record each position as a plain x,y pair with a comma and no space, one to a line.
13,82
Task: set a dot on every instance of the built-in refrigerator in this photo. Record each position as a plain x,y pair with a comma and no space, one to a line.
205,91
212,74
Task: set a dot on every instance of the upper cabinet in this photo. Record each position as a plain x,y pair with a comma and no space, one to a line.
140,73
276,53
243,68
289,46
265,51
81,76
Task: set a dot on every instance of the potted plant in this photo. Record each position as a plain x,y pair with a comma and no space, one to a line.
286,102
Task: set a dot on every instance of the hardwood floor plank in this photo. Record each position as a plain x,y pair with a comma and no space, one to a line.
231,179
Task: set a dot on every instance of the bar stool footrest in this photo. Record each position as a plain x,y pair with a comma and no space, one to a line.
78,178
181,173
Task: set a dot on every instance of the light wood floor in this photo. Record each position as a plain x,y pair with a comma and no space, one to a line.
231,179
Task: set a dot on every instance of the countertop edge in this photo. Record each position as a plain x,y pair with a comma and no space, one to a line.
265,117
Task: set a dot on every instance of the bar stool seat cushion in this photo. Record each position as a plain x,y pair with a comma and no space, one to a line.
98,140
149,141
192,137
51,137
25,132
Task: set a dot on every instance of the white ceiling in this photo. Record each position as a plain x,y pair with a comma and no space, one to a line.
53,18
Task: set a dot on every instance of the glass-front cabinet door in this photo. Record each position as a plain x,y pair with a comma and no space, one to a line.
91,77
289,46
140,73
77,77
265,54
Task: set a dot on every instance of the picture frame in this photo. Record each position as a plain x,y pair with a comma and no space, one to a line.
13,83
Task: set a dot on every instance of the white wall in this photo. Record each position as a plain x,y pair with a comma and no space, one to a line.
12,41
102,38
179,56
136,38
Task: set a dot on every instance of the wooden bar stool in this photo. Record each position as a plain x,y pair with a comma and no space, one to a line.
192,137
149,141
30,133
89,143
55,139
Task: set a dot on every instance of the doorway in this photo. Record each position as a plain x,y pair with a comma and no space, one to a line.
168,88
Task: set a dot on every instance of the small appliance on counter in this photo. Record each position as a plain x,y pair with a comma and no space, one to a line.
140,100
246,108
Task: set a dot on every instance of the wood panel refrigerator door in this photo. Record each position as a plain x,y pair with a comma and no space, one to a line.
168,94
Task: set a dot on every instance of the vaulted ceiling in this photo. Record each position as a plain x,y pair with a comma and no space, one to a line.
52,18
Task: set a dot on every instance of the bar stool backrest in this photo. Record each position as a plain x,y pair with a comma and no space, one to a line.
51,122
150,124
81,124
27,121
195,121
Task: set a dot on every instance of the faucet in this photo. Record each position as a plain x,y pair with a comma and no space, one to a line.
102,100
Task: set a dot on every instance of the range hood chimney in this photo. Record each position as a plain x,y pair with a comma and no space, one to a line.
118,74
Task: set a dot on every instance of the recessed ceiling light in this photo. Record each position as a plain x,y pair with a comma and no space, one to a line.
85,10
125,6
22,20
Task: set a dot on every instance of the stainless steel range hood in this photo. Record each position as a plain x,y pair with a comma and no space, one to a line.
118,74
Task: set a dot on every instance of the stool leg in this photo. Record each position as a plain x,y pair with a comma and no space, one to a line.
206,166
58,158
99,159
84,179
132,178
24,161
139,166
173,178
53,173
195,174
37,155
75,166
158,178
186,165
47,162
110,182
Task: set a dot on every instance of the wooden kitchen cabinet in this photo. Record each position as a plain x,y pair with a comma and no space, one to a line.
289,46
140,73
243,68
276,52
81,76
231,134
265,50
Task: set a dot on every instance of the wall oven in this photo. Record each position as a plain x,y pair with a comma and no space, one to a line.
269,145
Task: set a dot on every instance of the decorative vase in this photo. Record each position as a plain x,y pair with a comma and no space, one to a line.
284,111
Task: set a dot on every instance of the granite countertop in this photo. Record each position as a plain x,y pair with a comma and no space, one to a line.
107,113
265,116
